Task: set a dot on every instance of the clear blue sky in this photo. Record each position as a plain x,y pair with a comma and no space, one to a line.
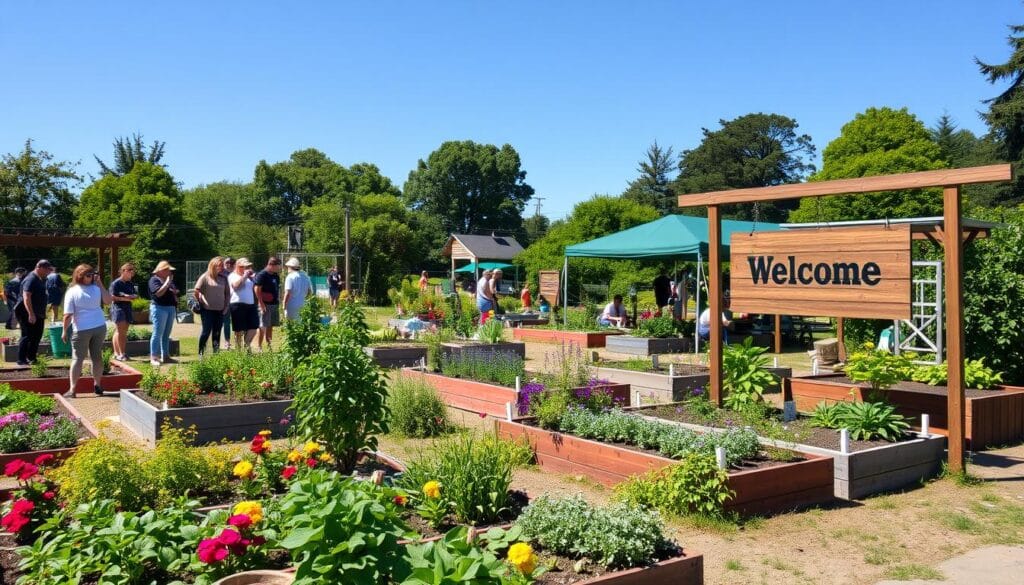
579,88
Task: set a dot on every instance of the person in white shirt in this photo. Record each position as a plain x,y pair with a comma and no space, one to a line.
245,317
614,313
484,300
704,323
297,288
83,308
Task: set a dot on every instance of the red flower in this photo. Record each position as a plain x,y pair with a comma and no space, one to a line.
259,445
27,471
49,495
400,500
482,414
288,471
310,462
258,541
13,467
14,522
23,506
211,551
44,459
240,521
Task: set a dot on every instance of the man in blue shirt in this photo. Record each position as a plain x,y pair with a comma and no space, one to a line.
32,312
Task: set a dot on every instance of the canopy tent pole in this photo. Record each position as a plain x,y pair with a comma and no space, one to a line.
565,293
696,308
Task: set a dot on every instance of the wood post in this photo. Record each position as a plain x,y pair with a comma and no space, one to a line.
115,267
778,333
840,333
954,327
100,260
715,302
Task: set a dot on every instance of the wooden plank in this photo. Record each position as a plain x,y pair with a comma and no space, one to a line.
549,286
954,272
920,180
715,304
842,272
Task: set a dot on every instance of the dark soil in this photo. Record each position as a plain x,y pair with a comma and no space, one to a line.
22,373
563,572
518,500
397,344
8,560
214,399
800,430
680,369
910,387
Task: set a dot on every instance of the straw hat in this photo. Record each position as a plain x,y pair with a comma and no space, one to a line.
293,262
163,265
243,262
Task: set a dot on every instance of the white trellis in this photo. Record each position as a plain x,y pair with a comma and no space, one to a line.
924,328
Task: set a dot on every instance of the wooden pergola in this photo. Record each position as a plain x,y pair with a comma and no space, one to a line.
112,242
950,180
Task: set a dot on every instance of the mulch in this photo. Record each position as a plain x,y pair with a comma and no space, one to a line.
22,373
215,399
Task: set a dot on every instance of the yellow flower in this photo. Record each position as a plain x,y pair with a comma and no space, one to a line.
294,456
254,510
265,433
521,556
432,489
311,448
325,457
243,470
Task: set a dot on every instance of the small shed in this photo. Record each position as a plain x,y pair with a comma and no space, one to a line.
477,249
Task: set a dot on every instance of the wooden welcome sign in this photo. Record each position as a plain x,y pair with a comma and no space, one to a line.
549,286
859,272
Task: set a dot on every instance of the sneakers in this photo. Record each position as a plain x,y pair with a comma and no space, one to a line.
154,363
69,394
97,390
170,360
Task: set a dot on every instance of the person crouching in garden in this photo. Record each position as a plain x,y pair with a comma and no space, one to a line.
123,292
83,308
212,294
245,319
163,307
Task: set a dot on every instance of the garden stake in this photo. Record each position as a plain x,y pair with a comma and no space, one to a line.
654,361
165,405
775,363
519,383
508,411
671,370
844,441
720,456
925,423
377,477
636,398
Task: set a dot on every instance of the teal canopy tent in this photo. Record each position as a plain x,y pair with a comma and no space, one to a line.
679,237
473,266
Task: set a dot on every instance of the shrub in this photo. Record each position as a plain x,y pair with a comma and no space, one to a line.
695,486
493,331
658,327
302,335
243,375
615,536
39,369
499,368
976,375
340,400
104,468
176,467
108,354
30,403
744,378
342,531
879,368
351,323
416,409
474,477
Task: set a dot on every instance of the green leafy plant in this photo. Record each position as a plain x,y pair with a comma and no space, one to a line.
658,327
351,323
40,368
176,392
140,305
302,335
695,486
976,375
567,367
744,377
339,530
433,341
454,559
30,403
383,336
616,536
340,400
108,354
243,375
499,368
176,467
879,369
416,409
105,468
827,416
20,432
549,407
493,331
870,420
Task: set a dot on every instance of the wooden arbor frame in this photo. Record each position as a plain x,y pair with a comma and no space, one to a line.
113,242
950,180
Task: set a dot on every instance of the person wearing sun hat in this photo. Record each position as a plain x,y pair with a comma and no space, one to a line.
245,318
163,306
297,288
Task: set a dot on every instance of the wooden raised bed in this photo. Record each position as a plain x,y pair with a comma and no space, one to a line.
648,345
58,454
994,417
232,422
687,569
580,338
456,350
767,490
489,399
658,388
397,355
138,347
129,377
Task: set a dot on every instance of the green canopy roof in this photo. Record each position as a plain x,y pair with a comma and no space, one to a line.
471,267
673,236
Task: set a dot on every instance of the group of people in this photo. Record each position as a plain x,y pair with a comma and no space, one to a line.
487,292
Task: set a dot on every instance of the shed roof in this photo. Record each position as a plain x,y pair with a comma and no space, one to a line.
485,247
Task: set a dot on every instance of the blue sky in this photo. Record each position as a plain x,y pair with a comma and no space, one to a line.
579,88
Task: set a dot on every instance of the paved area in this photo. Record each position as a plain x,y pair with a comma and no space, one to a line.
992,565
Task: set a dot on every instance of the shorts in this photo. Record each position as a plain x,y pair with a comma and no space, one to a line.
121,315
271,317
244,317
335,293
53,297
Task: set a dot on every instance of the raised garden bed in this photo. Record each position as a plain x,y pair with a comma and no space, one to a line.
458,350
868,468
397,354
656,387
764,490
629,344
488,399
56,382
232,422
86,431
138,347
687,569
580,338
994,417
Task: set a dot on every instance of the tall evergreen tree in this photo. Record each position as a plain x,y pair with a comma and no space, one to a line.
1005,115
128,151
654,185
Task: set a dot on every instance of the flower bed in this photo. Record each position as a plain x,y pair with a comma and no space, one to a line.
659,387
397,355
122,376
138,347
764,490
456,350
583,338
994,417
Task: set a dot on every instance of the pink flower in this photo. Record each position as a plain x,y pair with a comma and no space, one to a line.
44,459
482,414
240,521
310,462
23,506
13,467
49,495
27,472
13,522
211,551
258,541
229,537
288,471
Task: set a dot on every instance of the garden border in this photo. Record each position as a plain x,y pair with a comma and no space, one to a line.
646,346
129,378
588,339
232,422
137,347
397,357
663,388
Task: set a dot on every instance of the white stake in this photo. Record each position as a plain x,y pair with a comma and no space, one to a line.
636,399
165,405
925,423
654,361
775,363
508,411
844,441
720,456
519,383
671,370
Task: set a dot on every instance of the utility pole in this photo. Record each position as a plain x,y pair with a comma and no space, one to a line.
348,273
538,200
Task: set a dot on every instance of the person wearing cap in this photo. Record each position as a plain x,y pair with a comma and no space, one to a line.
268,293
245,319
83,308
163,307
211,292
31,312
229,267
12,294
297,288
55,288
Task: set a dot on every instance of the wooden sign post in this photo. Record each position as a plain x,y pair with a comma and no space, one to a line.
549,286
950,236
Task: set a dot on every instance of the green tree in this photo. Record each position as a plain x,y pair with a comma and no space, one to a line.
37,191
879,141
147,203
596,217
1005,115
128,151
654,185
221,208
755,150
471,187
534,228
961,148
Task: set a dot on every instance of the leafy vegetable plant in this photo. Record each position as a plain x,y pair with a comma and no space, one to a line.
658,327
870,420
695,486
745,378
